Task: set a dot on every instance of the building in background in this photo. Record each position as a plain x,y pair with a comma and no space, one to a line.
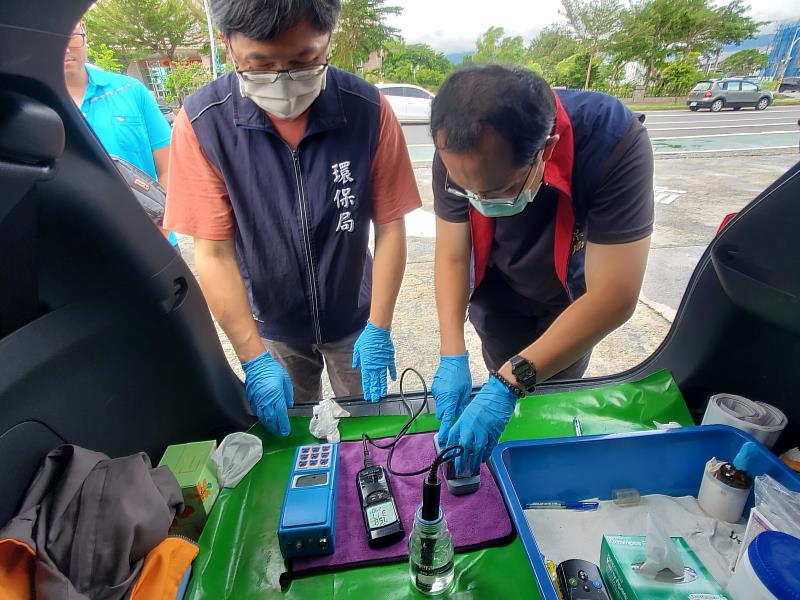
786,42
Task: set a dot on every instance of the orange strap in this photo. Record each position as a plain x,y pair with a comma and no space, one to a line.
16,570
164,569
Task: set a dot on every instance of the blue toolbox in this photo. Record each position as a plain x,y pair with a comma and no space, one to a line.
308,515
667,462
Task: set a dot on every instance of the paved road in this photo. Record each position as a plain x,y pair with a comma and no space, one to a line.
682,131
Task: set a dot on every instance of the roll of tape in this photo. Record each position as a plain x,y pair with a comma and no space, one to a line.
763,421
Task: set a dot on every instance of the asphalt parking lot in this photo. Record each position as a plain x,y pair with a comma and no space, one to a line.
693,191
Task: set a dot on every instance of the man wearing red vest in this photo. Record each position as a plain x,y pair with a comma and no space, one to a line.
544,205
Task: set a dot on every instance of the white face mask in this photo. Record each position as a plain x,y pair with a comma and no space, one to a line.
284,98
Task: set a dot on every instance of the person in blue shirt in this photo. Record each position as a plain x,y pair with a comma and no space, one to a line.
120,111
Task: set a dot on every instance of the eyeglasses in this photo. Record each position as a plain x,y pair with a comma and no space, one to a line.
265,76
77,40
472,196
302,74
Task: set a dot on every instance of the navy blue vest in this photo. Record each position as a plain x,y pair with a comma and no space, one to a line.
598,123
302,217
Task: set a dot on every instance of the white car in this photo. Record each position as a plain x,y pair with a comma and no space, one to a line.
409,102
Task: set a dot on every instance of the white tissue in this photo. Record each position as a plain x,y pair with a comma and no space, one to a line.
325,422
234,458
661,552
670,425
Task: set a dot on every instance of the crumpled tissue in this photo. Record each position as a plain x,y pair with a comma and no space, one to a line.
325,422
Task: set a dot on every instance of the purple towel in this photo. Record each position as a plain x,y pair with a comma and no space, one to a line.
475,520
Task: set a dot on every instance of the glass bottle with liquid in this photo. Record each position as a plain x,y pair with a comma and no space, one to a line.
430,554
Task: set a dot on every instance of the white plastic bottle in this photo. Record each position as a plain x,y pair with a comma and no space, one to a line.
769,570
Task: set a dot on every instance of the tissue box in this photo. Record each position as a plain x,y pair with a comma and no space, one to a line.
618,555
192,466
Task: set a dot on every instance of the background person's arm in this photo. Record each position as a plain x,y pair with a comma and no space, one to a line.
226,296
387,271
614,275
161,159
451,280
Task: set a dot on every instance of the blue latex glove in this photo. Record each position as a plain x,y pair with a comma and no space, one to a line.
374,353
269,392
451,388
480,425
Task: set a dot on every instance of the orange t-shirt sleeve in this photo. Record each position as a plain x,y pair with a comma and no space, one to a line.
394,187
197,199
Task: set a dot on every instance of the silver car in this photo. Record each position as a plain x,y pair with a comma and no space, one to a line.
716,94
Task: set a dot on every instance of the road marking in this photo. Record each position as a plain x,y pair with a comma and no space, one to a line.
688,137
793,124
716,121
665,195
689,114
671,151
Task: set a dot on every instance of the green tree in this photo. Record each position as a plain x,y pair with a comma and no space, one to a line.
105,58
552,45
494,46
593,23
646,35
701,25
137,28
744,62
415,63
652,31
679,76
362,30
571,73
185,77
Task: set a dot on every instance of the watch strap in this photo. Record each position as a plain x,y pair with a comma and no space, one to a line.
514,388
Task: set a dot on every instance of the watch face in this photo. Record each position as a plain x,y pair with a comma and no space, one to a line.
524,371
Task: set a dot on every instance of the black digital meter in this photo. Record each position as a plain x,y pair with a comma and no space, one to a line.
381,518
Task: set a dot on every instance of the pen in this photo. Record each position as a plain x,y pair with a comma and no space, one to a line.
564,505
578,427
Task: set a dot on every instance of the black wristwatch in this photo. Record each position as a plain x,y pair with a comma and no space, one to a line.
524,372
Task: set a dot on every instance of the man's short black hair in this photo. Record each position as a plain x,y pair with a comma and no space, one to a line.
515,102
263,20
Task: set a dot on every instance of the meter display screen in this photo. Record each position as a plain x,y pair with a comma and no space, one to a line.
311,480
381,515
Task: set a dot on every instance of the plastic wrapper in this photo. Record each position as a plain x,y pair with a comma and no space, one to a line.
778,504
236,455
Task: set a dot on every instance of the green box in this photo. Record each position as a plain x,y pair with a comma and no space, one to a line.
197,477
619,554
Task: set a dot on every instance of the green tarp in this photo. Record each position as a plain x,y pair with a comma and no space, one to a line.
239,556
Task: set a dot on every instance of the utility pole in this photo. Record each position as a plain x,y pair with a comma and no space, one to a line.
211,40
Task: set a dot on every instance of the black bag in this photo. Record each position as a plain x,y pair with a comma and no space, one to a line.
147,190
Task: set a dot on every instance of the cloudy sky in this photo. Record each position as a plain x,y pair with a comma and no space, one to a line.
454,25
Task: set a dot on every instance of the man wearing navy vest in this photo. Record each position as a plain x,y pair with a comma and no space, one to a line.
544,204
278,168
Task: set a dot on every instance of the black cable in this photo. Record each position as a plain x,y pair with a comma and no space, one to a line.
391,445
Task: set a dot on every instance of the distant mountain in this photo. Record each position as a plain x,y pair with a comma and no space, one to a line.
761,42
457,57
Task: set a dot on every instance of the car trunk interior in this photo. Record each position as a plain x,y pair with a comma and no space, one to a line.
106,341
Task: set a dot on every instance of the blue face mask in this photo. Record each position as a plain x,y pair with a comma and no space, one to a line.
505,207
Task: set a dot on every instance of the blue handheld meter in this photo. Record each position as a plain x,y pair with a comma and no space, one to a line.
308,516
